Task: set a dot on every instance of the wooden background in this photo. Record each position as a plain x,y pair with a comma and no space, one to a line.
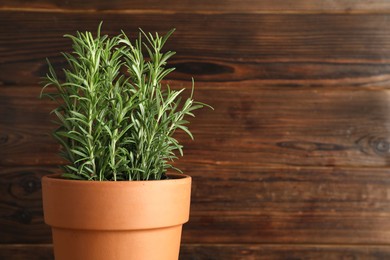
292,164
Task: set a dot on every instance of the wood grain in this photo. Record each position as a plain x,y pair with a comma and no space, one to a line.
229,252
227,6
256,125
293,162
282,252
288,205
243,205
26,251
21,206
279,49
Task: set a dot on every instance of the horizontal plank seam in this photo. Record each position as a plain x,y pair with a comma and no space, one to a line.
179,11
4,245
23,244
249,166
293,244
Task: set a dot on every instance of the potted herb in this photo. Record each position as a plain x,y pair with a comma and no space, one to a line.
115,198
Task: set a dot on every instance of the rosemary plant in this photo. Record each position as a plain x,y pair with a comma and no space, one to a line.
116,119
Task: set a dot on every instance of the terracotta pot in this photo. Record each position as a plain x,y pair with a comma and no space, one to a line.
127,220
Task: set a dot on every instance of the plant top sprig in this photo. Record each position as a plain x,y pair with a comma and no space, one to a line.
116,120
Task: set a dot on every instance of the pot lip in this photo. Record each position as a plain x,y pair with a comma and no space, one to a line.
64,200
175,177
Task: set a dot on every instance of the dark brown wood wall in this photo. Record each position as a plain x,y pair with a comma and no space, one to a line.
292,164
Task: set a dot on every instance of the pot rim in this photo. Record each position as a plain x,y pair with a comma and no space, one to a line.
175,177
158,203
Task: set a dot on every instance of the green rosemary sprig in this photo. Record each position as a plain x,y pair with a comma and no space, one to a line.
116,119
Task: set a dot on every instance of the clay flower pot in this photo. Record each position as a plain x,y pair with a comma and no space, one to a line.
124,220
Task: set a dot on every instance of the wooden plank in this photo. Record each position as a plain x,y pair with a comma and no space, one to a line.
21,206
288,228
26,251
288,205
229,252
282,252
281,73
227,6
251,124
258,190
274,48
240,204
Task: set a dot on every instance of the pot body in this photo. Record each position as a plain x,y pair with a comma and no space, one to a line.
140,220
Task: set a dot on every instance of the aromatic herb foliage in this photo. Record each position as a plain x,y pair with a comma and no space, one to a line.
116,120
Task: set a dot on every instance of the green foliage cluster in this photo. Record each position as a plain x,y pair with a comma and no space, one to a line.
116,120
